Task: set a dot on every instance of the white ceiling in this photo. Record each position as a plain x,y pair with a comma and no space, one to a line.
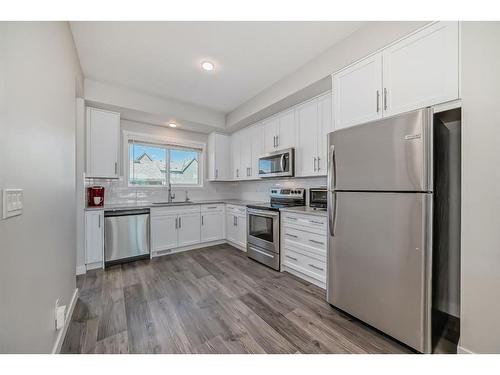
163,58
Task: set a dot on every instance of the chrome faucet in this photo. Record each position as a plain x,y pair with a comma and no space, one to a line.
171,196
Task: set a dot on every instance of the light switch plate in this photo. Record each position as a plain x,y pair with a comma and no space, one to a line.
12,202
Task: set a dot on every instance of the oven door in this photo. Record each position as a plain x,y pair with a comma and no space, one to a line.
263,229
277,164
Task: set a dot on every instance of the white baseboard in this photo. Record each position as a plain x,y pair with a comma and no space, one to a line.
238,246
81,270
62,332
462,350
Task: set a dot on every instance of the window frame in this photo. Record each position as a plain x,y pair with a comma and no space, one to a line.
167,143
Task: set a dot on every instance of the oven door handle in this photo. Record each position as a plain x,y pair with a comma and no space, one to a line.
260,213
261,252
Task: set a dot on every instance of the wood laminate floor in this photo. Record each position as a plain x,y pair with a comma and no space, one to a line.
211,300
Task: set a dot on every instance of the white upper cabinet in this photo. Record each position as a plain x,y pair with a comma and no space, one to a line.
257,140
271,130
307,134
287,129
219,162
418,71
103,143
236,156
422,70
314,122
357,92
325,127
245,153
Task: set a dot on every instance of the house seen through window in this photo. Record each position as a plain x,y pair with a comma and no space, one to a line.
154,165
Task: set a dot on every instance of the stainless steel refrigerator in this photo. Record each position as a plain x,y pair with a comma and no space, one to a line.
380,204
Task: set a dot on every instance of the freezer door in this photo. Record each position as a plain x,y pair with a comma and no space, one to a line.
379,262
393,154
126,236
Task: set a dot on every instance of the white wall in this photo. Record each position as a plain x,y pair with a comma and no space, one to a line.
40,76
368,39
480,294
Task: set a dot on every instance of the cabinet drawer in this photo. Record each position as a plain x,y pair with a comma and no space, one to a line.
212,207
318,224
162,211
309,240
304,264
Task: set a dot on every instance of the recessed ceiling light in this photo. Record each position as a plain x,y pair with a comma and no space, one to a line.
172,124
207,65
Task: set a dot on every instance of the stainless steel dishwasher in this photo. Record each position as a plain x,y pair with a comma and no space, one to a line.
126,235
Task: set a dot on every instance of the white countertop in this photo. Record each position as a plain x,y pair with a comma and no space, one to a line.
305,210
139,205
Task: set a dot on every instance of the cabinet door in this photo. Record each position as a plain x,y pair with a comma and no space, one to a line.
357,93
236,156
325,127
222,158
257,148
94,236
422,70
241,230
211,150
163,232
230,227
287,130
212,226
188,229
307,131
271,127
245,153
103,138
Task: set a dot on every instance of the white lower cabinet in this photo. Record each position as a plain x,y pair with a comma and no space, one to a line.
236,225
174,227
304,246
212,222
94,239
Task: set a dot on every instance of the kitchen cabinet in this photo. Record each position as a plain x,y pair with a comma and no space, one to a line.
279,131
245,153
422,70
174,227
102,143
304,246
246,147
212,222
94,239
219,161
236,156
357,92
188,225
418,71
257,141
314,122
236,226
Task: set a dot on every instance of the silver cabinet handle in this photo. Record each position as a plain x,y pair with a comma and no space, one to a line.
318,164
277,141
292,258
385,99
216,173
314,164
201,219
274,141
318,242
116,167
315,222
378,101
176,226
316,267
180,223
234,220
292,218
237,172
99,221
211,207
292,235
236,217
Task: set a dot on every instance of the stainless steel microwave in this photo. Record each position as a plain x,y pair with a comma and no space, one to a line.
318,197
277,164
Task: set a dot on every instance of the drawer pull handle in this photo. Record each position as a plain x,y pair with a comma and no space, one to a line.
292,218
316,267
316,222
318,242
292,258
292,235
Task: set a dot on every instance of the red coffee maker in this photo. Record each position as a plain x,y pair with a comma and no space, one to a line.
95,196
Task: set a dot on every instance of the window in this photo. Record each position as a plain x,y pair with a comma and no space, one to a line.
153,164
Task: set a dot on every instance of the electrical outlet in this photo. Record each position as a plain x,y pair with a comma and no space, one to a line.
12,202
60,315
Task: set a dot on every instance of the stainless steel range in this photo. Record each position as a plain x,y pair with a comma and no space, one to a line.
263,225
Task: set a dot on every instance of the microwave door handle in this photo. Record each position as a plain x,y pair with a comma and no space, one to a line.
283,162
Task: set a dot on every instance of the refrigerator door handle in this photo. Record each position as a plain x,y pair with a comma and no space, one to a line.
332,212
331,168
